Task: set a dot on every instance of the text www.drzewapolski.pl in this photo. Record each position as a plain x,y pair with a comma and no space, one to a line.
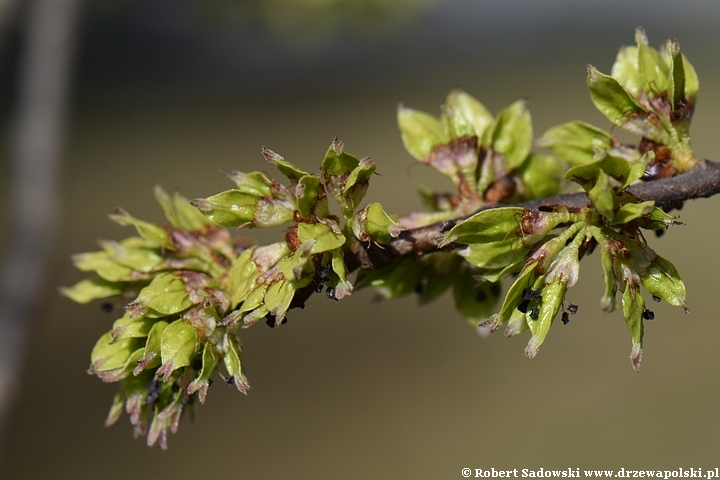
707,474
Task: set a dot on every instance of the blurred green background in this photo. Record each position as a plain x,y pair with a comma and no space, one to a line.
178,92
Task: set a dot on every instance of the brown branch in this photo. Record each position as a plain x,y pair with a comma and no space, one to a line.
701,182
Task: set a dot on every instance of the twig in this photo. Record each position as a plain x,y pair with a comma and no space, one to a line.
701,182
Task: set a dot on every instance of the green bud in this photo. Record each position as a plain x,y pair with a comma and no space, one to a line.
626,70
131,327
495,255
611,98
210,361
692,83
254,183
652,68
252,317
540,175
659,220
633,305
154,235
372,223
492,225
311,197
85,291
143,260
512,134
166,295
676,78
552,296
179,212
166,419
607,256
267,256
231,208
343,288
653,96
620,169
116,408
241,277
661,279
270,212
254,298
514,295
292,172
323,236
233,363
204,319
603,194
516,324
109,355
356,183
496,274
296,265
502,224
104,266
578,143
420,131
151,353
631,211
177,347
464,115
337,162
278,297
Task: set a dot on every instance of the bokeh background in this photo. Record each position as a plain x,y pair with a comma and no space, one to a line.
178,92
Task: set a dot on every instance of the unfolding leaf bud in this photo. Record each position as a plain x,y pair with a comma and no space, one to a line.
177,347
231,208
210,360
372,223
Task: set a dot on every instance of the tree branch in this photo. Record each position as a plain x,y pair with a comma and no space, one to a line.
701,182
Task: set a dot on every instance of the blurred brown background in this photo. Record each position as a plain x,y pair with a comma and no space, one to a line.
179,92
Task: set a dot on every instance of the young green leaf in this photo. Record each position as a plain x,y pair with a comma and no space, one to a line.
512,134
210,361
578,143
611,98
154,235
465,115
291,171
177,347
233,363
633,306
165,295
420,131
490,225
231,208
151,353
110,355
85,291
179,212
323,237
652,68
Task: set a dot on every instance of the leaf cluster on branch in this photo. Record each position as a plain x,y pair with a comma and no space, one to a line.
188,289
